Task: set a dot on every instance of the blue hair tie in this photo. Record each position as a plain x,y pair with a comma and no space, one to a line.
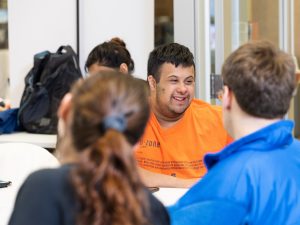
115,122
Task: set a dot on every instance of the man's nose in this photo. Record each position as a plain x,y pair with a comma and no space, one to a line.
181,88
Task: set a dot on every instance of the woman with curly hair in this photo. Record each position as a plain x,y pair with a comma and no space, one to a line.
101,120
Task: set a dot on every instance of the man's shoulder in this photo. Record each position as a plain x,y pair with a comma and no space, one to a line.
203,109
198,104
48,179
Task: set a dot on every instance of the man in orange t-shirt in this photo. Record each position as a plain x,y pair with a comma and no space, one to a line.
181,130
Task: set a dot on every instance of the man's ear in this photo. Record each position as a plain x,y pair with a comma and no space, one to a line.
123,68
227,97
151,82
65,106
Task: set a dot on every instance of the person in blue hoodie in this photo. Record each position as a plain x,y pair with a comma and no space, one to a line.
255,179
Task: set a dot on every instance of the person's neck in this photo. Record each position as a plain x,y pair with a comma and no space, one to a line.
65,152
244,125
166,122
163,120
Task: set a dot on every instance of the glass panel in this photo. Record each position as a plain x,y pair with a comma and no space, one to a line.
164,28
216,83
3,49
251,21
242,21
297,30
212,34
297,53
264,20
3,25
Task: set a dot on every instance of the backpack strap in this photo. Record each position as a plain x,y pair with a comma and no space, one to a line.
40,61
67,48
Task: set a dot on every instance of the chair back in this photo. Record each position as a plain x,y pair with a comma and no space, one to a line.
17,161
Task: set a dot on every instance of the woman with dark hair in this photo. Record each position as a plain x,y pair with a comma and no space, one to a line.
101,120
109,55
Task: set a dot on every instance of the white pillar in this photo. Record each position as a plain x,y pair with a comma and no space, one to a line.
131,20
34,26
191,28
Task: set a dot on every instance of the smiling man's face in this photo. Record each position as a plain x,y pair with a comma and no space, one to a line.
175,90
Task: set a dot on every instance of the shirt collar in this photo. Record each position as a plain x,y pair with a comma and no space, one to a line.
265,139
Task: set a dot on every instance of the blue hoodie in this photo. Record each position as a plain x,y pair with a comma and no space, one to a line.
254,180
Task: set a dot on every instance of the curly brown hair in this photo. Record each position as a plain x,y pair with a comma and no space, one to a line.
106,180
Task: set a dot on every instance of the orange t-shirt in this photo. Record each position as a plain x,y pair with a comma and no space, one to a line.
179,150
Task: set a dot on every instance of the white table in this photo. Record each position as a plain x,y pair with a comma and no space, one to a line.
43,140
169,196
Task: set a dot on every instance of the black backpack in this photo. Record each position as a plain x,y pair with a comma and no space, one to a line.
46,83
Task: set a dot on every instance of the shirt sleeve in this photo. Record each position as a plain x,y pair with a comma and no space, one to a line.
229,140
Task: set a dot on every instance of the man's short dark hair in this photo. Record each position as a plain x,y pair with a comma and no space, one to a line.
173,53
262,78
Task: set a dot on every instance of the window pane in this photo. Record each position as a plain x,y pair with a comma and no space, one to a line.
164,28
3,25
3,49
297,53
251,21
